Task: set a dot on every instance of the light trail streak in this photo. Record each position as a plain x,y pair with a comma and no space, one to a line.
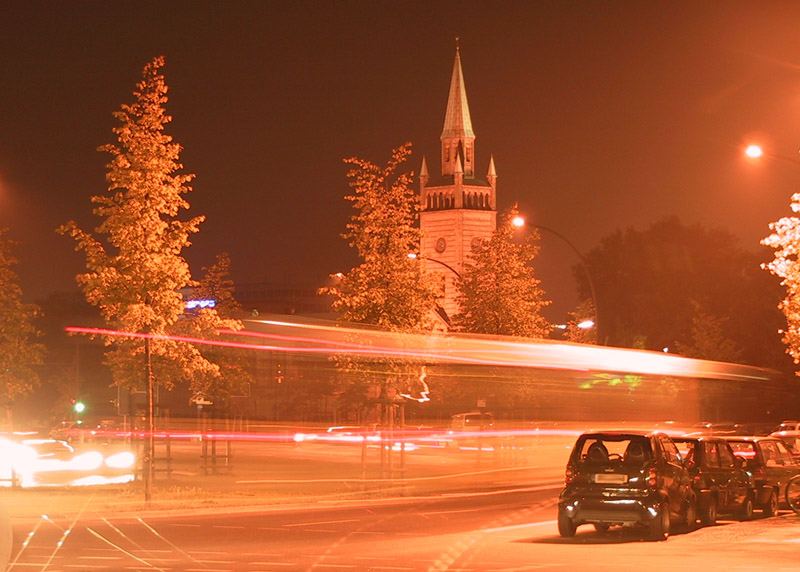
461,349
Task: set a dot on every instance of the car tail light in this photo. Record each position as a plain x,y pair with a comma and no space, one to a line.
569,476
652,478
698,479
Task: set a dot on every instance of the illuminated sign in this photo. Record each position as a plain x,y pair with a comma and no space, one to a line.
200,304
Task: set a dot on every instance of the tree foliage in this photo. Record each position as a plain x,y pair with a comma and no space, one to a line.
387,289
584,311
20,353
135,270
647,282
498,292
234,365
709,338
785,241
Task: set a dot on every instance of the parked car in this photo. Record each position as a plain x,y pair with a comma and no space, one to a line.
721,484
626,478
788,425
770,464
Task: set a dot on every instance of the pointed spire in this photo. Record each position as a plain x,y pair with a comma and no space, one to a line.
491,173
423,174
459,169
457,122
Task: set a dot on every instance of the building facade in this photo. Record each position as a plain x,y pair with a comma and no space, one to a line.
458,209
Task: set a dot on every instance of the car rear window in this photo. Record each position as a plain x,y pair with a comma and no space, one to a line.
603,449
743,449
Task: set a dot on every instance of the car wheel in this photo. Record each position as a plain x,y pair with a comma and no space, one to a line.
690,515
659,526
746,511
771,508
708,514
566,527
601,527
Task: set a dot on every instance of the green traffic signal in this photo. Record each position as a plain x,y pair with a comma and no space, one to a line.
79,407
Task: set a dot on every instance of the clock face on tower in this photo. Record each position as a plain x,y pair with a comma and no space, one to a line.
441,244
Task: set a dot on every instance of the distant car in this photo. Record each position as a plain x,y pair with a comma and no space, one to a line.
788,425
53,462
720,483
792,441
770,464
626,478
472,421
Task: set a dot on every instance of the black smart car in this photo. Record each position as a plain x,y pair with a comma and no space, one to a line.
771,465
626,478
721,484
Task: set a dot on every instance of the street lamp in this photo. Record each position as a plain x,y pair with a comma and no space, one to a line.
415,256
519,221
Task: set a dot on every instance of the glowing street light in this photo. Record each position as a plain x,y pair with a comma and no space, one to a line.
79,407
754,151
519,221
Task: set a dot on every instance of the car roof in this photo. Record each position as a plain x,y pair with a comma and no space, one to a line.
622,433
697,438
750,438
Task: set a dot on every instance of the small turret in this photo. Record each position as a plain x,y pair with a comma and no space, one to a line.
423,174
491,174
458,172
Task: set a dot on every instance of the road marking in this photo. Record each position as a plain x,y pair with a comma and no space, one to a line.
173,545
260,563
177,524
517,526
227,526
322,522
100,557
104,539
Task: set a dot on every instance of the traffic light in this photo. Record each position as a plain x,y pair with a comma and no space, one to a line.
79,407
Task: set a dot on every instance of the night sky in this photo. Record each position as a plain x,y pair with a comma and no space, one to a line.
600,115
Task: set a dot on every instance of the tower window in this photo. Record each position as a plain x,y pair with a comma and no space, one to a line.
469,154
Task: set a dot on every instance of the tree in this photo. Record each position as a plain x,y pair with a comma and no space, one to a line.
582,335
648,280
135,269
498,292
387,289
709,339
785,241
216,284
20,354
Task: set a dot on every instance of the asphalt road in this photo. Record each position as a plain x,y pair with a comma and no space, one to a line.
510,530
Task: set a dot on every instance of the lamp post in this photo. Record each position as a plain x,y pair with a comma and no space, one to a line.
415,256
519,221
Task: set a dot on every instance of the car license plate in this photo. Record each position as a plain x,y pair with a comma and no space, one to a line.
611,478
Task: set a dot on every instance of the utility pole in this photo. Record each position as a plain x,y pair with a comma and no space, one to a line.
150,438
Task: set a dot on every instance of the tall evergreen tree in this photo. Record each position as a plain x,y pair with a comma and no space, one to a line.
498,292
20,354
135,270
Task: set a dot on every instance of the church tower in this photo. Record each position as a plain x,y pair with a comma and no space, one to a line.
458,209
